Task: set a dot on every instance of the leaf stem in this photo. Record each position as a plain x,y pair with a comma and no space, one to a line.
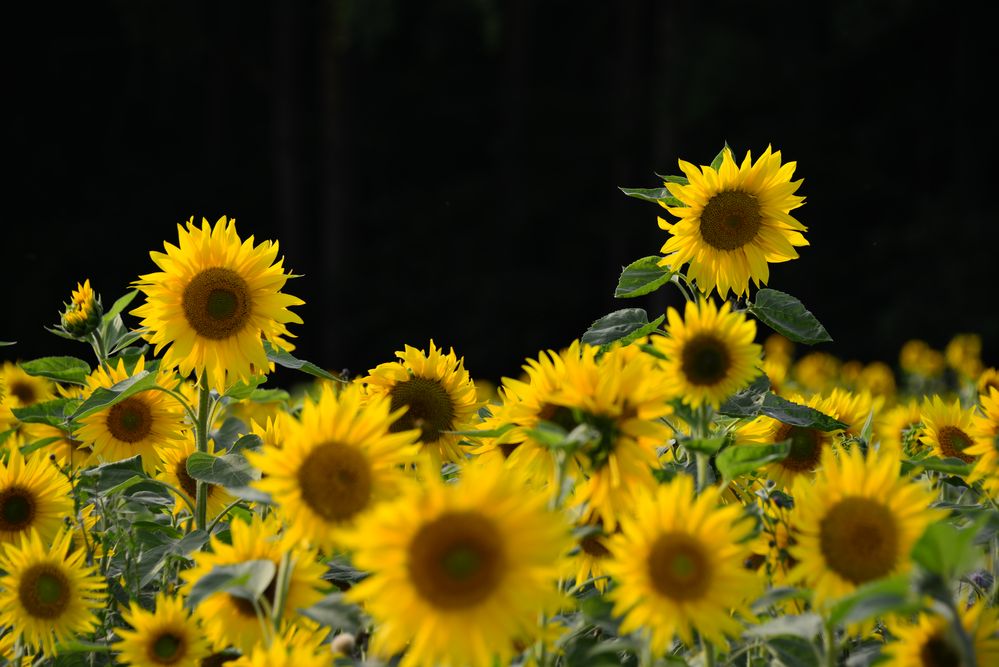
201,431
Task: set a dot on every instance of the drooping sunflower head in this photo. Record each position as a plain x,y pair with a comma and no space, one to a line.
710,351
213,300
141,424
734,221
83,312
678,564
340,461
437,394
459,571
47,595
34,496
173,471
857,522
167,636
930,641
947,428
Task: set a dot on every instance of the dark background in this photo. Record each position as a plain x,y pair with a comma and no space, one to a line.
448,169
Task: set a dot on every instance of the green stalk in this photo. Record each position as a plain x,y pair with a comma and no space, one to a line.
201,501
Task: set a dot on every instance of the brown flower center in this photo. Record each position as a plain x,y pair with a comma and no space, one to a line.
187,483
678,567
430,408
592,545
335,481
806,447
23,391
130,421
937,652
859,539
17,509
705,360
730,220
217,303
167,649
953,441
44,591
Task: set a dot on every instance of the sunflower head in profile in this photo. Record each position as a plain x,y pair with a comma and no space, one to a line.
83,312
213,300
231,620
857,522
141,424
173,471
341,460
710,352
930,641
167,636
19,391
34,496
47,595
437,393
678,566
947,429
987,381
734,221
985,430
899,428
459,571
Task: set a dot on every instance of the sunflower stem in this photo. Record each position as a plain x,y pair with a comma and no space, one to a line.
709,652
201,500
283,581
102,353
829,644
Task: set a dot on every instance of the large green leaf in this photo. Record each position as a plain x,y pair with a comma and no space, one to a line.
53,413
110,475
796,414
950,465
119,306
949,551
788,317
5,343
627,323
740,459
284,358
805,626
60,369
642,277
247,580
791,651
334,612
877,598
228,470
652,194
749,401
707,446
105,398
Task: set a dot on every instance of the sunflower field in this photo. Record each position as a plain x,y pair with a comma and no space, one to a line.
694,488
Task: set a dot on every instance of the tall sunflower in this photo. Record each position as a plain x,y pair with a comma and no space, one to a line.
339,462
857,522
947,429
438,395
678,564
710,352
174,472
33,496
733,222
166,636
48,595
459,571
141,424
228,619
213,299
930,641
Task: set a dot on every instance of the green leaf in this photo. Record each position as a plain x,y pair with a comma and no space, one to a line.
250,494
716,163
485,433
5,343
793,651
704,445
652,194
283,358
243,390
788,317
671,178
740,459
248,580
635,335
948,551
877,598
127,484
105,398
109,475
228,470
749,401
620,324
642,277
795,414
60,369
38,444
119,306
950,465
775,595
334,612
52,412
127,339
805,626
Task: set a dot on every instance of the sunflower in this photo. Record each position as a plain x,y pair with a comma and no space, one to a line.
69,451
21,391
168,636
437,393
48,596
816,372
989,379
83,312
947,429
679,566
964,355
213,299
985,430
141,424
591,558
857,522
281,653
342,459
734,221
930,641
33,496
228,619
711,353
459,571
174,472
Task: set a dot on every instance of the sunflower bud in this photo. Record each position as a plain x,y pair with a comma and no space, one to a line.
84,311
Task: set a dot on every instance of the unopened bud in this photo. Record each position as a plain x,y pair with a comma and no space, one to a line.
84,311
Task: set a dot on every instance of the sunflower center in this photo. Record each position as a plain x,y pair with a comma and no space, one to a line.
245,607
44,591
558,414
806,447
430,408
730,220
217,303
188,483
705,360
130,421
335,480
679,567
859,539
17,509
24,392
167,649
592,546
953,442
457,560
937,652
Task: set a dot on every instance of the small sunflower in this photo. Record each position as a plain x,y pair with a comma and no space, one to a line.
816,372
48,596
734,221
857,522
711,353
591,559
174,472
228,619
213,299
438,395
989,379
459,571
964,355
947,429
679,566
985,429
68,450
21,391
281,653
33,496
930,642
340,461
168,636
141,424
899,428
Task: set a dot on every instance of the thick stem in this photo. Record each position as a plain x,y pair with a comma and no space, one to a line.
201,500
102,353
829,644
